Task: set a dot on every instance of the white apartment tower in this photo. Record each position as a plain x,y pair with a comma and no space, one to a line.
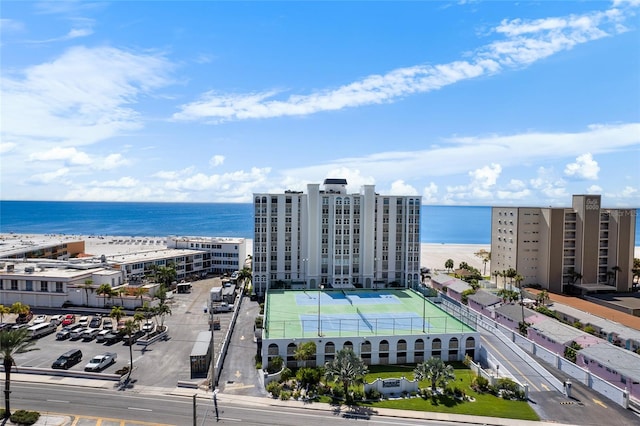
330,238
585,245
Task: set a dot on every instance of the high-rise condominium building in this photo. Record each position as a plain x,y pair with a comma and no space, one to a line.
330,238
583,247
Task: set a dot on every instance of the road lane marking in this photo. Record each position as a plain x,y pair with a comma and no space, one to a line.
600,403
59,400
544,386
511,364
139,409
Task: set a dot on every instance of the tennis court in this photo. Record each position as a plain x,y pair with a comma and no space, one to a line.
294,314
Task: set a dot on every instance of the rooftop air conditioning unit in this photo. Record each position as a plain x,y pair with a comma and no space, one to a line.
1,265
29,269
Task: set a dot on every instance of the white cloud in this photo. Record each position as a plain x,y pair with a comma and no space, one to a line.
594,189
216,160
525,42
547,182
83,96
6,147
399,187
48,177
113,161
585,167
516,184
123,182
628,192
486,176
174,174
10,25
70,156
429,193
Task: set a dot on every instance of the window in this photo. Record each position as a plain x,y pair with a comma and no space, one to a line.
59,287
44,286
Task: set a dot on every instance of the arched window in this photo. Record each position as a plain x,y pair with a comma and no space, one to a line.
454,345
365,352
436,348
418,354
347,345
291,359
383,352
401,352
329,351
470,347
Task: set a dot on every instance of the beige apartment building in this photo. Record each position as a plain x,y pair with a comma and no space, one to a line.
328,237
580,248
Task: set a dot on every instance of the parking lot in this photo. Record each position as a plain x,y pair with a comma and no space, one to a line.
161,364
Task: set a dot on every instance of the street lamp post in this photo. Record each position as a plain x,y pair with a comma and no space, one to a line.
304,272
319,323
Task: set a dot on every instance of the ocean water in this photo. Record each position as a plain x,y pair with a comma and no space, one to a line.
439,224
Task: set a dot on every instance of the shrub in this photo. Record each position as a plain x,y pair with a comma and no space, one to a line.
286,374
285,395
480,384
425,393
259,322
308,376
337,392
24,417
261,309
274,388
358,395
373,394
275,364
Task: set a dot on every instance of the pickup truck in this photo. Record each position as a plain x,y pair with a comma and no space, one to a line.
223,307
100,362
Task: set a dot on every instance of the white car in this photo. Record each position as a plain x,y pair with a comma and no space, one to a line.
84,321
40,319
148,327
56,319
90,334
100,362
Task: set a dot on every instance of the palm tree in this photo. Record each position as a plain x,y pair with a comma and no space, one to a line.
161,310
139,292
346,368
117,313
435,370
12,342
542,297
448,264
486,257
147,312
305,351
4,310
19,308
106,291
166,274
86,286
129,330
496,274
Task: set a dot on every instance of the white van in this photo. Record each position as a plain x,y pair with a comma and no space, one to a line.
43,329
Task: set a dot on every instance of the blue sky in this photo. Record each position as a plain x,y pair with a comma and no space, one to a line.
464,103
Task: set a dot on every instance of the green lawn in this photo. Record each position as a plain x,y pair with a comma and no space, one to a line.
484,405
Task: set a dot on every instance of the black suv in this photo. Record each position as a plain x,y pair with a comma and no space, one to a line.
68,359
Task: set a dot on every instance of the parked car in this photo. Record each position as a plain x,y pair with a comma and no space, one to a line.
63,334
100,362
112,337
107,324
223,307
56,319
69,319
24,318
5,326
19,326
102,335
39,319
68,359
148,327
96,322
77,333
90,334
84,321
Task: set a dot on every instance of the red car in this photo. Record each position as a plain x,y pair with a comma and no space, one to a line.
69,319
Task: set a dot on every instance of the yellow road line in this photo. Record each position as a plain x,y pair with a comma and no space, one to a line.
515,368
600,403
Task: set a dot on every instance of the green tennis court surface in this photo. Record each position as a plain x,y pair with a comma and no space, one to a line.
291,314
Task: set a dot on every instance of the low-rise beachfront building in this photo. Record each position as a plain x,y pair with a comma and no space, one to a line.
613,364
440,281
381,326
221,255
456,288
510,315
556,336
14,246
583,248
137,266
613,332
484,302
49,283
